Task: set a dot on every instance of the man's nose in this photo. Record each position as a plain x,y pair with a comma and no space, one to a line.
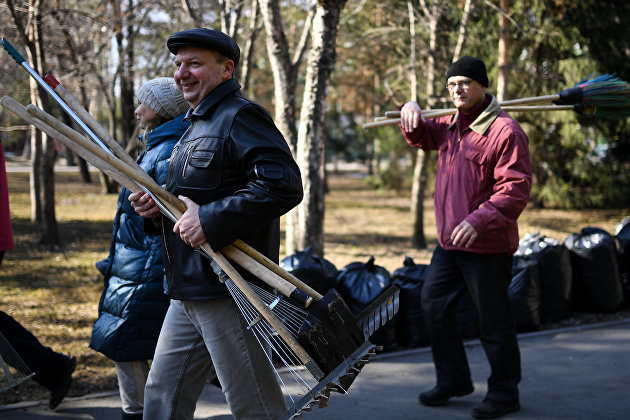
182,70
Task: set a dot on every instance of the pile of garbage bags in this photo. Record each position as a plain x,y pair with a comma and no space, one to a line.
588,272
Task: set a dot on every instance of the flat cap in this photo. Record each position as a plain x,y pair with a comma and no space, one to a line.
210,39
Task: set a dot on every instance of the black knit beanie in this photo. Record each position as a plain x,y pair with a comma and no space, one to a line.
470,67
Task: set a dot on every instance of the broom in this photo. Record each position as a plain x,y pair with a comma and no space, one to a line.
603,96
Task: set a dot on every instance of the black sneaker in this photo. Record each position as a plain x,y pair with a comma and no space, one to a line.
59,393
440,396
489,409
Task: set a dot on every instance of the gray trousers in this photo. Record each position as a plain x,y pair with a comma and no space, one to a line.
132,377
195,336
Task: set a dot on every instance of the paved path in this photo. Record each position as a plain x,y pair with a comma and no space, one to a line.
569,374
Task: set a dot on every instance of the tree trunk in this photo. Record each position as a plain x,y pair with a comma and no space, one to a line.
49,222
310,134
34,178
285,71
230,16
50,234
503,64
125,40
195,15
420,175
246,65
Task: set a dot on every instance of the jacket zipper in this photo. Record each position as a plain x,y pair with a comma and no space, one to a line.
451,159
188,152
168,256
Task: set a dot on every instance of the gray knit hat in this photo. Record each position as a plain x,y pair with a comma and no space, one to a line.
162,96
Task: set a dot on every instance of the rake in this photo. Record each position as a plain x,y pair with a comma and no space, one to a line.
316,337
18,372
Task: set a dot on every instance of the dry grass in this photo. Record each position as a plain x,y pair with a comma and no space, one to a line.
55,294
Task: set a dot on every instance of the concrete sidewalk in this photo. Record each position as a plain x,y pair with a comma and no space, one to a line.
568,374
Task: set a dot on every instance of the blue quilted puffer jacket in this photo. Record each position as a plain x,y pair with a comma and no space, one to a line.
133,303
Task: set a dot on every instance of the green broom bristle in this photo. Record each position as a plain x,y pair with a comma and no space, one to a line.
612,113
605,90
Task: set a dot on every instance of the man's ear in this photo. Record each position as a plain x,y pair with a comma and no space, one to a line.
228,69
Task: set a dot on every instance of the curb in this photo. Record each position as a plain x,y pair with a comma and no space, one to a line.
381,356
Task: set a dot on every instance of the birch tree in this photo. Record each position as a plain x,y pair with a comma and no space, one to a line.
310,144
432,13
503,64
30,21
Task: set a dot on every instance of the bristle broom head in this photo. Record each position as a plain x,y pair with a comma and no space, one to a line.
607,112
605,91
613,113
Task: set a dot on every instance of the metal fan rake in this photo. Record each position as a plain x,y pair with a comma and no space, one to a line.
13,370
314,391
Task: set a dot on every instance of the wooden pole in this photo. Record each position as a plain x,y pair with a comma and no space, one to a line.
122,170
393,117
21,111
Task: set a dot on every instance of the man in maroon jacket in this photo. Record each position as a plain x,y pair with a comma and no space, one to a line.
483,183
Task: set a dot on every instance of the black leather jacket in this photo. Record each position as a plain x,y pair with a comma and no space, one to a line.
236,165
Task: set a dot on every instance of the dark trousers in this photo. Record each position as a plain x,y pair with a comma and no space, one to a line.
487,278
49,366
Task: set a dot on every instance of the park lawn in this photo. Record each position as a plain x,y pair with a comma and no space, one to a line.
56,293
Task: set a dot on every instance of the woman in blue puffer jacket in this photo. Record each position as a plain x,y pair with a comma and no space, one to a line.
133,303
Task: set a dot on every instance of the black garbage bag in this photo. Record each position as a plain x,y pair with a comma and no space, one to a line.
524,293
596,282
553,261
622,233
411,329
315,271
359,284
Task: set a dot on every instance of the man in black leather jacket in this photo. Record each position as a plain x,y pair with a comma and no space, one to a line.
236,174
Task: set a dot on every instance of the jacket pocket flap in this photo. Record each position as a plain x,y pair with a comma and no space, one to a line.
201,158
475,156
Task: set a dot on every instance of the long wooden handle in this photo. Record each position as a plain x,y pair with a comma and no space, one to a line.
532,100
124,170
90,121
393,117
138,176
266,262
74,104
266,275
21,111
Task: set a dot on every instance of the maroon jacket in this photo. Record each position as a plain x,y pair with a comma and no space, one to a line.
6,233
483,176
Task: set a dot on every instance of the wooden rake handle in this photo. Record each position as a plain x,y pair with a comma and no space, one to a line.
174,204
274,276
94,125
21,111
131,178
